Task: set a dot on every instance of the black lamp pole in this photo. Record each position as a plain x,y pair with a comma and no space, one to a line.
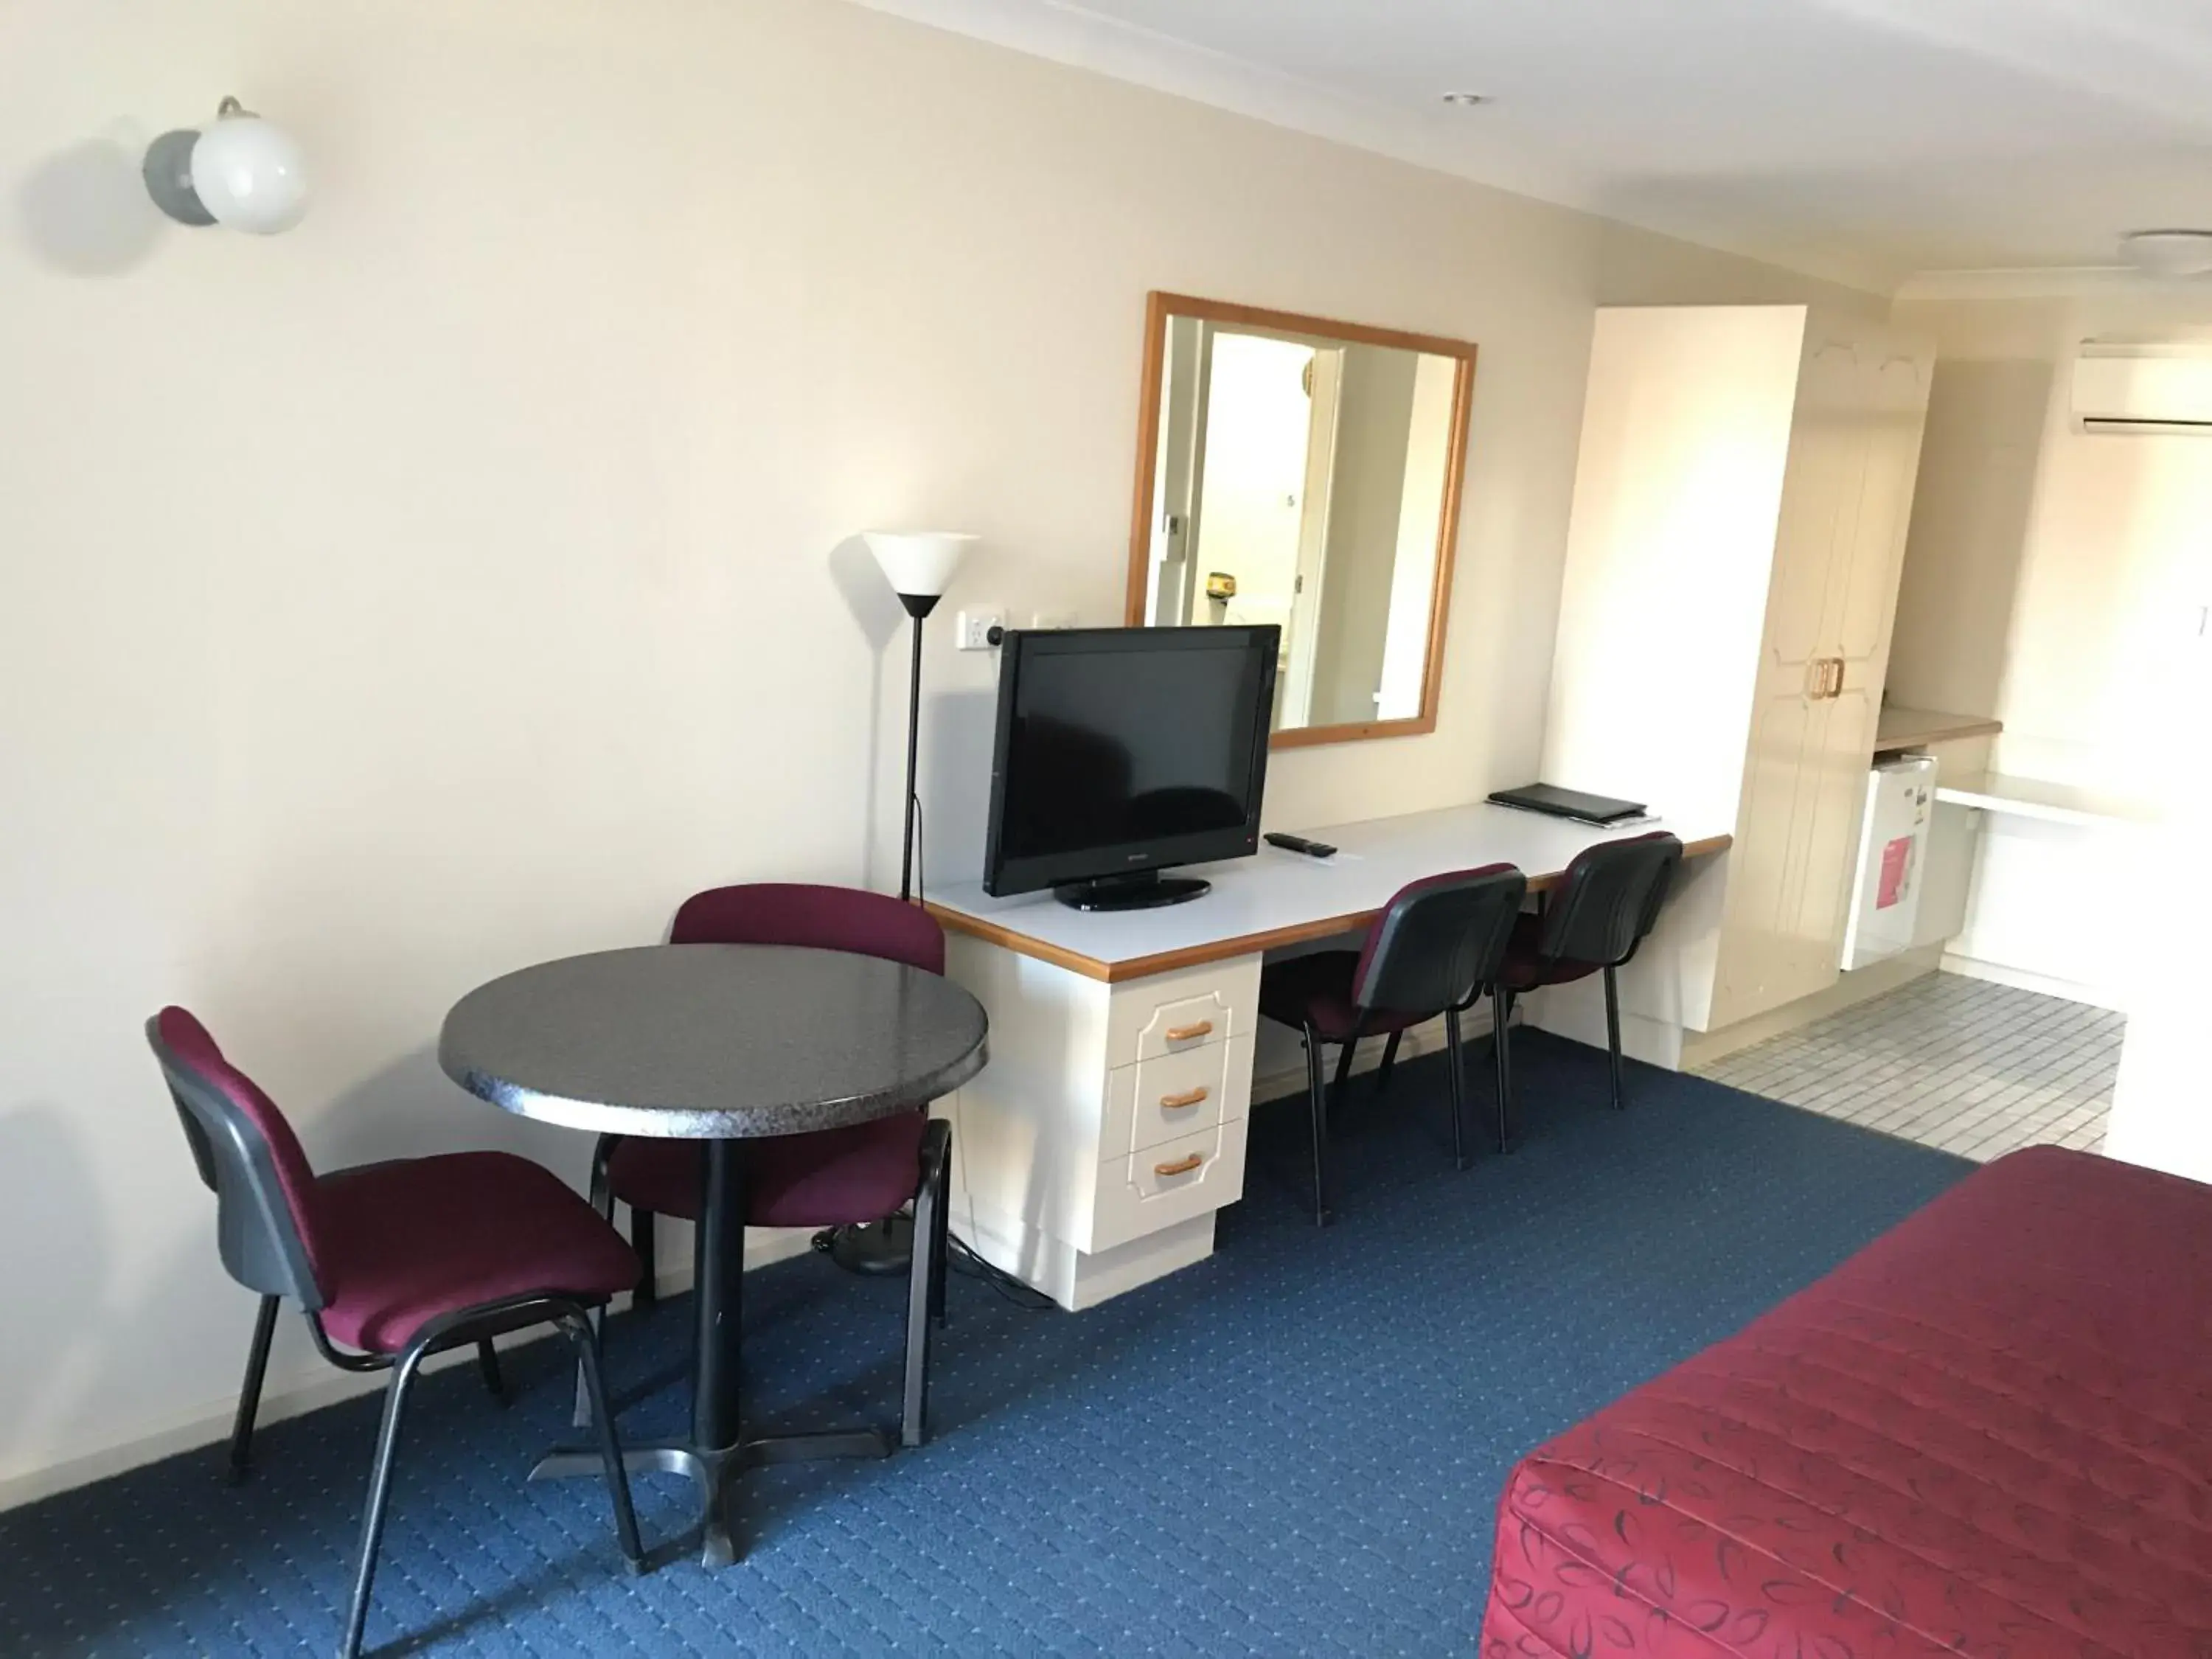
887,1246
918,606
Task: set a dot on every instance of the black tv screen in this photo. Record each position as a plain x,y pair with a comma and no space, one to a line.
1127,749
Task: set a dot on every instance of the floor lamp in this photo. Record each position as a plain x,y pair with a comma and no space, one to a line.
919,566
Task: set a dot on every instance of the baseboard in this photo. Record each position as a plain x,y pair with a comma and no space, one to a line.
1575,1010
1859,985
2021,979
210,1423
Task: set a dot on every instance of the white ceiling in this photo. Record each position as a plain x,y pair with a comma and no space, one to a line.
1863,140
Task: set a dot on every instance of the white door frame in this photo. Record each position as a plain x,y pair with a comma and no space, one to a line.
1297,703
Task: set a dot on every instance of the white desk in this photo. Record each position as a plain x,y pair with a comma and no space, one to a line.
1091,1155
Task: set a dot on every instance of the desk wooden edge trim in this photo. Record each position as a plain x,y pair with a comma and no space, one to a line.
1221,950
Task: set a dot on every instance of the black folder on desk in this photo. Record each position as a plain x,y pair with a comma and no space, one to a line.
1555,802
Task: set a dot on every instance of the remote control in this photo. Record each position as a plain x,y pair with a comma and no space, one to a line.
1312,849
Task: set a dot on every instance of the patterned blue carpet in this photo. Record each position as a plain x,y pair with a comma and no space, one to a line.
1293,1448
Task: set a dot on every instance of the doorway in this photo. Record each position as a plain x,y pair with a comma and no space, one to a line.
1261,497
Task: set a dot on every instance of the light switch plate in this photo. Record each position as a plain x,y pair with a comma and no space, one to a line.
976,626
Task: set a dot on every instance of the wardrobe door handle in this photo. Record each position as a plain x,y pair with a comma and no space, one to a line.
1180,1166
1176,1103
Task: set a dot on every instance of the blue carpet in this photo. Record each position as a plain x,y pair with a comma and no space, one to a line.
1293,1448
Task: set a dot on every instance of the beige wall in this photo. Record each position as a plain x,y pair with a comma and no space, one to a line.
2055,579
462,579
2052,575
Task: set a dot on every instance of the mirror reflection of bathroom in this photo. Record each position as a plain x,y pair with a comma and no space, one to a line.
1303,481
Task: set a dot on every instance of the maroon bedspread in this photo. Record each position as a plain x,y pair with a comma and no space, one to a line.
1989,1433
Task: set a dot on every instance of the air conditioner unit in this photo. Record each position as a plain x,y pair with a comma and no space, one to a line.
2144,389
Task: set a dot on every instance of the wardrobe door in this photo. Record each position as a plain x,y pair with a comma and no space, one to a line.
1892,410
1772,951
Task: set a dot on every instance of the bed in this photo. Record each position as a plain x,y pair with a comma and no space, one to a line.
1989,1433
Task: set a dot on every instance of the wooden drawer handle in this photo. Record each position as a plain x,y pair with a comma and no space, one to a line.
1176,1103
1180,1166
1190,1033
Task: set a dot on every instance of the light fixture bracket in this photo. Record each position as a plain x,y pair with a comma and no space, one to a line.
168,175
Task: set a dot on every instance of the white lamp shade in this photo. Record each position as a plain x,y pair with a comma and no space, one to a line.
250,175
918,562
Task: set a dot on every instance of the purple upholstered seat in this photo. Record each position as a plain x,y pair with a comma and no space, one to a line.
808,914
1606,902
394,1246
395,1260
1526,967
1429,952
1316,990
843,1177
862,1173
833,1178
410,1242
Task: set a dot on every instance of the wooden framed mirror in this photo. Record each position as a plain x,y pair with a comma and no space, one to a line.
1306,473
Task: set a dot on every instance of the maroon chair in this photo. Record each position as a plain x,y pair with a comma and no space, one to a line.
1603,909
392,1262
831,1178
1430,952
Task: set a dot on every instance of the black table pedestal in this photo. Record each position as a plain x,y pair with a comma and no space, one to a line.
718,1451
716,1473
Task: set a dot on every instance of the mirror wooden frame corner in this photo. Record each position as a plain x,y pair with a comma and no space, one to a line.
1159,306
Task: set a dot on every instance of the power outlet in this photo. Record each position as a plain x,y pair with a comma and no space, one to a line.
1053,619
977,626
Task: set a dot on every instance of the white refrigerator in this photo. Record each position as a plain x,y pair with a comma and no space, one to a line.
1892,863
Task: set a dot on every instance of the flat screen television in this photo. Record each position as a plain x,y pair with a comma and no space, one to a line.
1122,752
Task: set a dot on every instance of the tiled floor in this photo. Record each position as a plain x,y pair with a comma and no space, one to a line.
1958,1064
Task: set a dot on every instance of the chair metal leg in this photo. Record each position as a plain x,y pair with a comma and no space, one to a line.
1317,1100
921,1294
1343,1078
1613,1038
380,1494
1501,1044
1389,1059
488,1368
940,1240
578,1331
249,1394
1458,1088
582,1417
641,1233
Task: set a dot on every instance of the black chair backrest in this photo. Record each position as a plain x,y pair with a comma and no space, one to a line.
1609,899
248,1158
1439,940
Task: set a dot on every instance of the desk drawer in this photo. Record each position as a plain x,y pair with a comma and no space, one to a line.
1173,1013
1157,1101
1173,1181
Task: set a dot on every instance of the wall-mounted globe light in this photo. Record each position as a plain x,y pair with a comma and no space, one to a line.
242,172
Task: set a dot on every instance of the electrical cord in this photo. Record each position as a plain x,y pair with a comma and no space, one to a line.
962,1258
1027,1297
920,850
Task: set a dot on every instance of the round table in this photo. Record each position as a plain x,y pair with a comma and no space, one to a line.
723,1044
